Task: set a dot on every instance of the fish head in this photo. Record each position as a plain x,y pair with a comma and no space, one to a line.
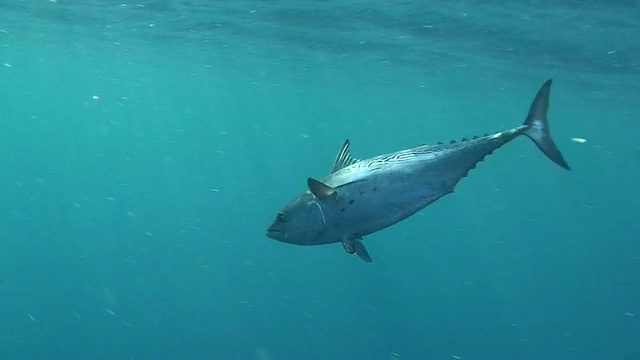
300,222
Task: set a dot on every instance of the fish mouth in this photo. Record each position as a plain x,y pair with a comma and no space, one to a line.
276,234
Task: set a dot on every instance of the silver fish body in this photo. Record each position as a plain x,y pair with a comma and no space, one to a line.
360,197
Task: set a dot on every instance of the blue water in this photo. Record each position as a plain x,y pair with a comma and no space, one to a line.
145,148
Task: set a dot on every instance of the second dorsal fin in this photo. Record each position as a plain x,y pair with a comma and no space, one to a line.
343,159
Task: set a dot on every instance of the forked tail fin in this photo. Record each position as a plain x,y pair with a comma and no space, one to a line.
537,126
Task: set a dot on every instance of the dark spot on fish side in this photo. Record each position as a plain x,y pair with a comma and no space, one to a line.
342,210
361,193
375,189
351,202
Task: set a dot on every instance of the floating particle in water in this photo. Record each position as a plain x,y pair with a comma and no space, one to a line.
579,140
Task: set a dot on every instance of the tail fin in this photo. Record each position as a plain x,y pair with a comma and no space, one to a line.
537,126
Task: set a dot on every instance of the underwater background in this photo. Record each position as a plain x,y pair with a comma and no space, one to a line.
146,146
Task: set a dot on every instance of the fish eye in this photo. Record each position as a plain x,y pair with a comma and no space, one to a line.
280,217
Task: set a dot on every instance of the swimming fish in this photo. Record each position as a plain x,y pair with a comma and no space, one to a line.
360,197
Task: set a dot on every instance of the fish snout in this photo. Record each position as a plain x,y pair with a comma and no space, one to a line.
276,232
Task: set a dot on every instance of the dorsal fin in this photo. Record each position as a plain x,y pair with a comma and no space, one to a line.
320,189
343,159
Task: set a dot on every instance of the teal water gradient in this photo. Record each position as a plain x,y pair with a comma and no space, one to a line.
145,148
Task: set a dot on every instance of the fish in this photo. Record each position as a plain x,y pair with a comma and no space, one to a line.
362,196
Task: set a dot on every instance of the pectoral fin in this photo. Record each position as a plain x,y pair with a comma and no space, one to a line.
320,189
355,246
